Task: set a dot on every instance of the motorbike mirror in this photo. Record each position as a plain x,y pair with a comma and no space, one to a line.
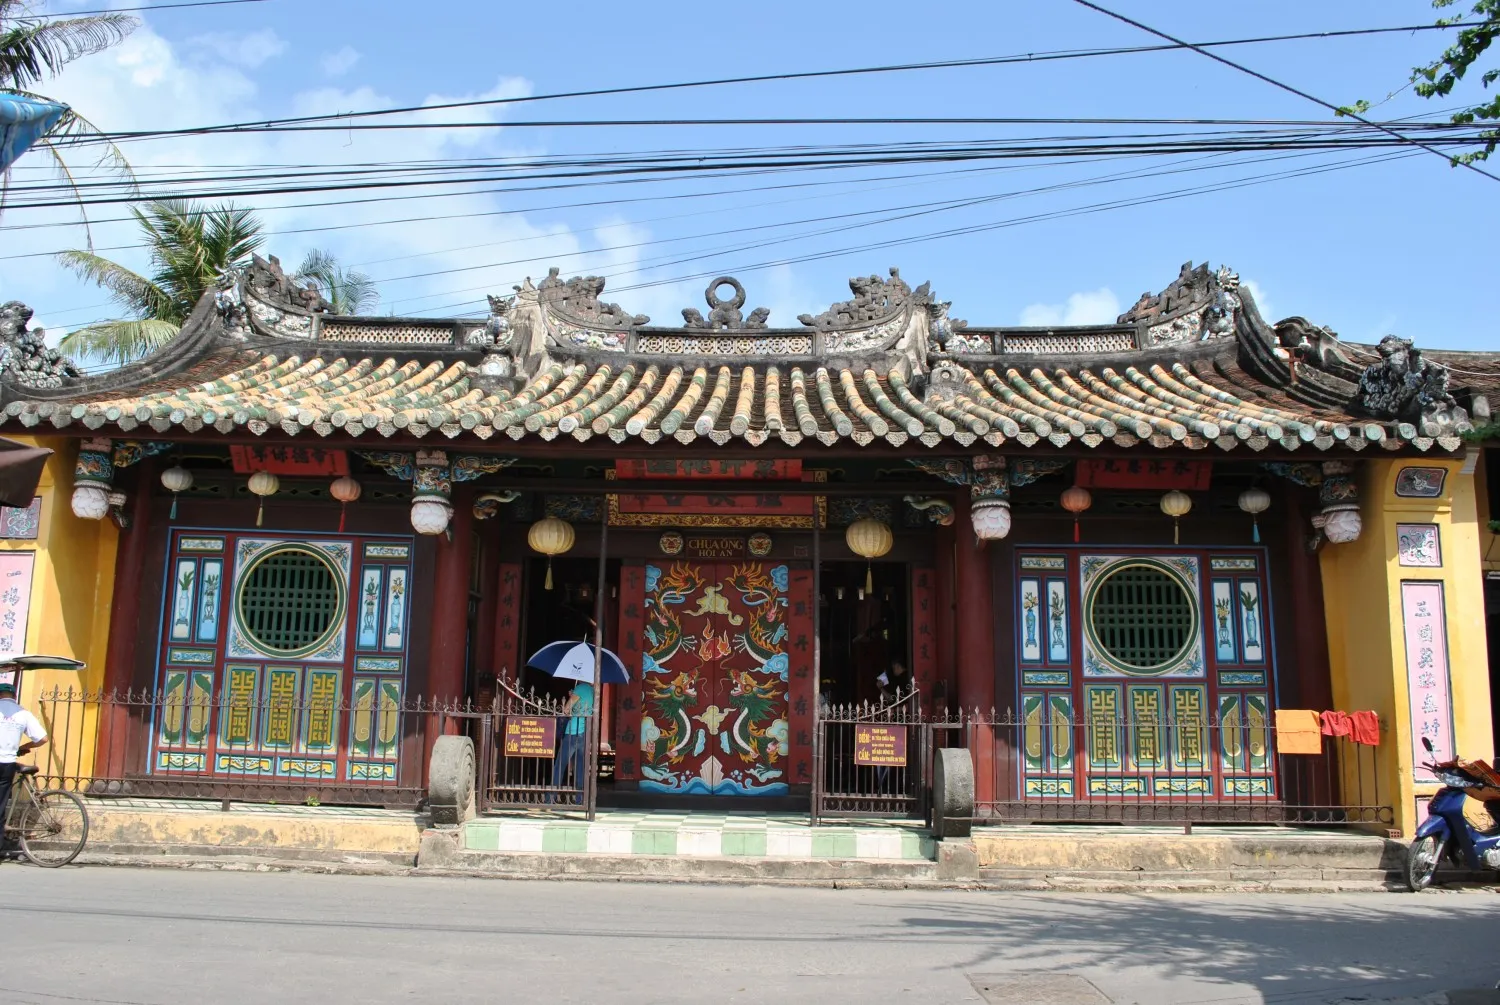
1427,744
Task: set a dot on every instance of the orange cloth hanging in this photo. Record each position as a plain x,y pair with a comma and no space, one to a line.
1366,728
1298,731
1336,724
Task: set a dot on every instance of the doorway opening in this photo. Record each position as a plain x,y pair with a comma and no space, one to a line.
862,633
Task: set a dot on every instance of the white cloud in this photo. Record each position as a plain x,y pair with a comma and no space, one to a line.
1088,307
1262,302
247,49
336,64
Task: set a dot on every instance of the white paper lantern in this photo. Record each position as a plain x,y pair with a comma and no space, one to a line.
869,539
176,479
263,484
430,516
1176,505
991,519
90,502
1255,501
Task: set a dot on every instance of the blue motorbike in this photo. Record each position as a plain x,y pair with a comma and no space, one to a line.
1447,832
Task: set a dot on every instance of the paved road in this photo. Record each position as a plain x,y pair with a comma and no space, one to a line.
153,937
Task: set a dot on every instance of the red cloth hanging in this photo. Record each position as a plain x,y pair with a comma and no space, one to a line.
1336,724
1366,728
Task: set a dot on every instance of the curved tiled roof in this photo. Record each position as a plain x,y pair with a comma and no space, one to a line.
1197,404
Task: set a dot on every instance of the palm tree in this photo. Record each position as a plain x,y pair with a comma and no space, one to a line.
190,249
348,292
34,48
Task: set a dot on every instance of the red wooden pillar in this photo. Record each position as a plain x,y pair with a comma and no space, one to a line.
124,625
488,543
974,620
449,611
943,600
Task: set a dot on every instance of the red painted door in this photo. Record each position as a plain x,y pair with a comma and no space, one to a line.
715,675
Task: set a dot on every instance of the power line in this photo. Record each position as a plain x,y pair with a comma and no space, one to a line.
1202,51
163,6
803,75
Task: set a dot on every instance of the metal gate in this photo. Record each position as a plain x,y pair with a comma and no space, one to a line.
535,753
872,760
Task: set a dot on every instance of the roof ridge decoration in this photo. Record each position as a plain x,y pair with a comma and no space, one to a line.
725,314
24,354
1197,306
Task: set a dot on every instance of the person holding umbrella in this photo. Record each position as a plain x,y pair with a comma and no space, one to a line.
570,752
575,661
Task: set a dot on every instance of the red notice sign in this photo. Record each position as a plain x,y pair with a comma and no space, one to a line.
880,746
530,736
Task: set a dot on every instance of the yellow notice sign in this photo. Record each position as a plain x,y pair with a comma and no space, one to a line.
530,736
880,746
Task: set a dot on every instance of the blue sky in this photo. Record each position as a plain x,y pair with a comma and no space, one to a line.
1405,246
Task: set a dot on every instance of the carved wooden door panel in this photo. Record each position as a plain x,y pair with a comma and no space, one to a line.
714,679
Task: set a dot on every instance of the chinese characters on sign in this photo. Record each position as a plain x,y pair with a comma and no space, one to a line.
1425,624
880,746
530,736
15,602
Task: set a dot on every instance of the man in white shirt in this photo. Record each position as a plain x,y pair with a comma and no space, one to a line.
20,733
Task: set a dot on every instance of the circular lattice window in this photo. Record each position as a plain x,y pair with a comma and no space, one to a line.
1141,617
291,602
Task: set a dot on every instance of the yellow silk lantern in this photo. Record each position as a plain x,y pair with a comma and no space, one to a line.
1176,505
263,484
869,539
550,536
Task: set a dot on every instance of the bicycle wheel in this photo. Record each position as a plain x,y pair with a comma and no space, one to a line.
53,828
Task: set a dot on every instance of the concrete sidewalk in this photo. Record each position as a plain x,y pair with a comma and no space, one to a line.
740,848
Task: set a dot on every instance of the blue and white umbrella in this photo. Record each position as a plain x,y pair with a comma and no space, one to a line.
575,661
24,119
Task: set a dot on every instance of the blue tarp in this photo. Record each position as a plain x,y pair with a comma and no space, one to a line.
23,121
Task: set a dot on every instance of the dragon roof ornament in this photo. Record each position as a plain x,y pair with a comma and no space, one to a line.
875,300
1198,306
24,354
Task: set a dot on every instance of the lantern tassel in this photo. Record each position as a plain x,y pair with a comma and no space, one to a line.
1255,531
548,584
1176,533
869,579
173,515
260,513
1075,530
343,509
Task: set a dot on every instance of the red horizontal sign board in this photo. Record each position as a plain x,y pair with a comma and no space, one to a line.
289,461
1143,473
785,470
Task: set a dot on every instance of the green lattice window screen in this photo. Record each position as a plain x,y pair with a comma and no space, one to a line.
1142,617
289,601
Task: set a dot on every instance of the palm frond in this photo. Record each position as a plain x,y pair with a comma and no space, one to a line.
347,292
33,49
135,293
119,341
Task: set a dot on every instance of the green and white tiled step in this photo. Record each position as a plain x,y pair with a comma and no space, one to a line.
701,836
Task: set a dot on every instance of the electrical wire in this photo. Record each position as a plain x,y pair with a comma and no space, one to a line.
1202,51
802,75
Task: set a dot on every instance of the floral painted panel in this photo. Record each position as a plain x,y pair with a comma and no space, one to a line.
1250,619
209,600
368,636
395,609
184,587
1031,616
1418,545
1057,621
1224,622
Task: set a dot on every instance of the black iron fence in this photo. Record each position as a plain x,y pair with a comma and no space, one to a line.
306,748
875,759
1163,770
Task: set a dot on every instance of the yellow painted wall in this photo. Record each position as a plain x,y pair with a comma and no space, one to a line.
1366,637
71,590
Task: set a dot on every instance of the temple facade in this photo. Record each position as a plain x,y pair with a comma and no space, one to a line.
1136,542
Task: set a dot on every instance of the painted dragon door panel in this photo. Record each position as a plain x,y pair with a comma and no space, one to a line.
715,670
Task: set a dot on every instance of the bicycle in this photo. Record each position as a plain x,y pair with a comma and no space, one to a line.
50,826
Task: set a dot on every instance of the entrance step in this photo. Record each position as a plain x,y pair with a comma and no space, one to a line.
684,868
702,835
